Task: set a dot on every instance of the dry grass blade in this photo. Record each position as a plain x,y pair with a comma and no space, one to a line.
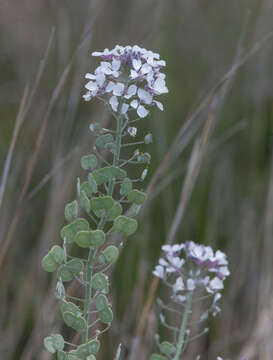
18,123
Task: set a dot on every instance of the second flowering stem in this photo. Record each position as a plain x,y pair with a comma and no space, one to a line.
183,328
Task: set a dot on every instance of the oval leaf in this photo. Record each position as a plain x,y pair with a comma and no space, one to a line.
110,254
102,203
89,162
125,224
100,282
71,211
101,302
137,197
67,271
74,321
69,232
106,315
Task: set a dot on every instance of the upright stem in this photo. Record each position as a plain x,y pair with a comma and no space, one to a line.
92,252
183,326
88,295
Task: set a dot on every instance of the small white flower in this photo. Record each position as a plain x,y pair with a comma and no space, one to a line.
118,89
91,86
159,272
144,96
159,105
137,64
90,76
131,91
114,103
159,86
178,285
87,96
142,112
110,86
190,284
124,108
134,104
132,131
215,285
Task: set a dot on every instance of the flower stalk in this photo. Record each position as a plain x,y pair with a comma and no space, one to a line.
183,328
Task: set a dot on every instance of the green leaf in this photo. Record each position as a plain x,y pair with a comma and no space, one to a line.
48,263
100,282
89,162
84,350
167,348
85,202
99,203
72,357
104,139
101,302
74,321
53,258
114,212
92,183
137,197
104,174
70,307
110,214
54,342
90,238
91,357
158,357
69,232
110,254
97,238
106,315
61,355
57,253
126,186
86,188
71,211
125,225
67,271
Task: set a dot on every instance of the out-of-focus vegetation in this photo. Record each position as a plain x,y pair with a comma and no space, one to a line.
224,198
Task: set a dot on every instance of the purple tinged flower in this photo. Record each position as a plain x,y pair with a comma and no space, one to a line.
145,96
111,78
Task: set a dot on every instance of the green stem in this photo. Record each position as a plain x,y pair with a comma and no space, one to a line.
92,253
88,294
183,326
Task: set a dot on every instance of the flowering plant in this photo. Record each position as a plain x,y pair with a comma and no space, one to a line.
193,272
127,81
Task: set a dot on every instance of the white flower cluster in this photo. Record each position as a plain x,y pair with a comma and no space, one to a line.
198,267
129,77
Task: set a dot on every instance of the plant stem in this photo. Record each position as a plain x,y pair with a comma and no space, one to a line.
183,326
88,293
92,252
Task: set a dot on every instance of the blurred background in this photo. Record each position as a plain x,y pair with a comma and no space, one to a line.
210,180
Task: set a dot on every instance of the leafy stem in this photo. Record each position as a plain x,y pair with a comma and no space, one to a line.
92,252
